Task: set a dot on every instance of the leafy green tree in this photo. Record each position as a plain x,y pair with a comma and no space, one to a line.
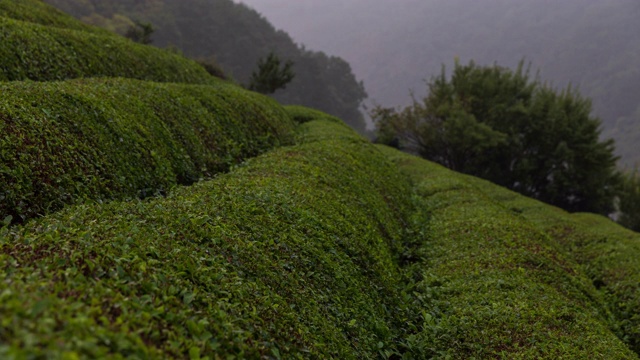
270,75
500,125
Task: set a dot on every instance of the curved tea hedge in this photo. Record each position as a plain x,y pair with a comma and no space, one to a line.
37,11
491,284
316,250
291,255
302,114
609,254
99,139
43,53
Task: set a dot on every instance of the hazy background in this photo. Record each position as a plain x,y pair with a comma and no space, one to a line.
394,45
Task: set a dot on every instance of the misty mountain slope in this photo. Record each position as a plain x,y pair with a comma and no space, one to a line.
394,46
236,37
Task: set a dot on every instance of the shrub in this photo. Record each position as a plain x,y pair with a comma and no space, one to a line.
490,283
301,114
42,53
38,12
212,67
287,256
608,253
269,77
102,139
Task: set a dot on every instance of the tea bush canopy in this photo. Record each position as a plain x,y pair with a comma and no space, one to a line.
330,248
36,52
38,12
104,139
164,214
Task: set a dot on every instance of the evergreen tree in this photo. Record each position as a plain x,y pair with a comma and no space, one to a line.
269,76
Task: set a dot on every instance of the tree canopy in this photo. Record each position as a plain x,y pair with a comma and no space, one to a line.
505,127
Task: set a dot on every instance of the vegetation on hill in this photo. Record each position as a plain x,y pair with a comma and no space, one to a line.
237,37
103,139
327,247
491,283
38,12
43,53
317,250
607,253
112,138
499,125
290,255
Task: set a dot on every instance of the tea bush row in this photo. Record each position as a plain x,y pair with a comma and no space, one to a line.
288,256
102,139
492,284
608,253
43,53
37,11
302,114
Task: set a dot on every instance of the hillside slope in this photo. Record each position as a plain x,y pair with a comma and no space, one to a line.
320,245
498,283
38,12
289,255
302,252
608,252
313,250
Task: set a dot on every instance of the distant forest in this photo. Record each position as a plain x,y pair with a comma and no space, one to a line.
236,37
395,45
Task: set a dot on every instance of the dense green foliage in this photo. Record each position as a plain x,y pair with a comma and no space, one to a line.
329,247
100,139
269,76
290,255
237,37
302,114
499,125
629,200
492,284
309,251
39,12
43,53
608,253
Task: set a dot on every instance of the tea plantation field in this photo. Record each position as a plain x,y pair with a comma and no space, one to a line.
151,211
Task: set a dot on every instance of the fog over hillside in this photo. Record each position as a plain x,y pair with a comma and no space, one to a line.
395,45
